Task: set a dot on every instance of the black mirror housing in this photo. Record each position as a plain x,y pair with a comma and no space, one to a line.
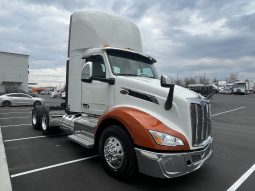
165,82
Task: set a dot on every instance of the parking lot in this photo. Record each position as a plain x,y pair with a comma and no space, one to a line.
36,162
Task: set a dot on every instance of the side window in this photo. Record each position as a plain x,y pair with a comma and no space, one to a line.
14,95
98,66
24,95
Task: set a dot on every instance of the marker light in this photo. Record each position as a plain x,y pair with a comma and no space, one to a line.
165,139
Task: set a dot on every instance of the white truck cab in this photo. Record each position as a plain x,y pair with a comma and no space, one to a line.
116,103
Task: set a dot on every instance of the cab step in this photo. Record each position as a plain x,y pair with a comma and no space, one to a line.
82,140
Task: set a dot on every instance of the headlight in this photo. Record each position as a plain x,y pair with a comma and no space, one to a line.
165,139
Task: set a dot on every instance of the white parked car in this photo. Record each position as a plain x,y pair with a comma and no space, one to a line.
19,99
54,94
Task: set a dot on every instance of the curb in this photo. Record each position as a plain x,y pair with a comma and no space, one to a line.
5,182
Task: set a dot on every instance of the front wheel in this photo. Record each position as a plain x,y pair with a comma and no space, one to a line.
117,153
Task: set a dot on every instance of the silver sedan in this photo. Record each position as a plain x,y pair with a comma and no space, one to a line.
19,99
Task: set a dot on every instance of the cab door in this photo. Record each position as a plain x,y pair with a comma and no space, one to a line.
95,94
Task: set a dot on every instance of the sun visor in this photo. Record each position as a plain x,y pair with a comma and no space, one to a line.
92,29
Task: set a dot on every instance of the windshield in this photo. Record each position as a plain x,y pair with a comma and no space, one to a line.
131,64
229,86
240,85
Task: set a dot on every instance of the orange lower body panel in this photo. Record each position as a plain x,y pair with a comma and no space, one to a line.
138,123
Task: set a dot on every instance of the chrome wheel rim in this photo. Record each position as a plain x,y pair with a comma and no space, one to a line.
34,120
44,122
113,153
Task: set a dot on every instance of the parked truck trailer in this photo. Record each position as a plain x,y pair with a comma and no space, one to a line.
117,104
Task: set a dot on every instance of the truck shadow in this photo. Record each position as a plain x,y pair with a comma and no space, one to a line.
192,181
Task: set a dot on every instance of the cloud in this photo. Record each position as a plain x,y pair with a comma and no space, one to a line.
48,77
198,26
188,37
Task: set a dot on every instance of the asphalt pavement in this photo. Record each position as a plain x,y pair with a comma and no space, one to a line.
36,162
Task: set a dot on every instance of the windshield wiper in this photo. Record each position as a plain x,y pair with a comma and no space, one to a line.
134,75
126,74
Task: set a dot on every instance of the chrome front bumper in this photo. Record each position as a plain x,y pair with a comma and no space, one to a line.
170,165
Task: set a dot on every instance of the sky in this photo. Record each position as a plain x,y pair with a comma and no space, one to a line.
188,38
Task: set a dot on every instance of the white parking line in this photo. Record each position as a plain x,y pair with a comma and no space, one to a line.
10,140
52,166
242,179
5,118
35,137
18,109
12,113
16,125
228,111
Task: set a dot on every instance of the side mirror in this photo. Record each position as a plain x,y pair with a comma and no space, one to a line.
166,82
87,71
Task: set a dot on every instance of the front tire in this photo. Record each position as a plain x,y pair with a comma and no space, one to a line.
117,153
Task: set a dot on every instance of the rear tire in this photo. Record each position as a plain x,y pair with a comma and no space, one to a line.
117,153
36,117
46,130
45,121
6,103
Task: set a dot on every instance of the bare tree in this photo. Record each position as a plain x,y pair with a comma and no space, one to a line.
188,81
215,81
232,77
203,80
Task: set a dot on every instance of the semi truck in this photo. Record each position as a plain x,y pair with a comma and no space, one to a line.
228,89
116,103
205,90
243,87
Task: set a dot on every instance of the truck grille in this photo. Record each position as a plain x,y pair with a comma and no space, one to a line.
200,122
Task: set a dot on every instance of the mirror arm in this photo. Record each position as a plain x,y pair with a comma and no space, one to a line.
169,100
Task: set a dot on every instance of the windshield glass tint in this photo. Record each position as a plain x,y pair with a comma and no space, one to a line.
240,85
130,64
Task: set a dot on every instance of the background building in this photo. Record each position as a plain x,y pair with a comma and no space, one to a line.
13,72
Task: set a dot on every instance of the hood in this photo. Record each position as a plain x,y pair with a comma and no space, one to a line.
152,86
177,118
